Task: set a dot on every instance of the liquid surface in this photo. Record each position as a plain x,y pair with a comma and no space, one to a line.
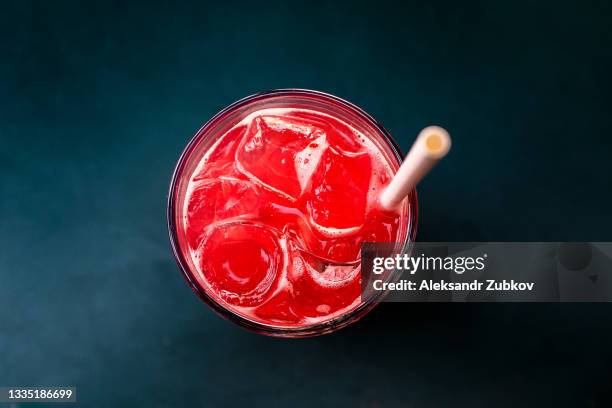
276,212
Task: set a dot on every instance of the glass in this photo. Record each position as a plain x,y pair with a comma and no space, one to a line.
222,122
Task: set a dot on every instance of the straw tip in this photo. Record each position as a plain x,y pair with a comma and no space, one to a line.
436,141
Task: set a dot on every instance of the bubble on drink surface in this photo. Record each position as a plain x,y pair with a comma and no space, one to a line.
333,276
323,309
219,199
338,201
281,153
240,261
297,267
326,289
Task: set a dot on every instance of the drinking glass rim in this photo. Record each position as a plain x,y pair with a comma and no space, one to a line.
327,326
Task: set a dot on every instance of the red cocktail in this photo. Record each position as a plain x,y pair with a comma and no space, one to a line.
270,203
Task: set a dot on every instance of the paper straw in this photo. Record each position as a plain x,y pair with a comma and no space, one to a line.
432,144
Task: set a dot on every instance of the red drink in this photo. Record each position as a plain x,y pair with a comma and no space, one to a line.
270,204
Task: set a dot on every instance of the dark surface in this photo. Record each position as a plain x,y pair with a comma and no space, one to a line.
98,100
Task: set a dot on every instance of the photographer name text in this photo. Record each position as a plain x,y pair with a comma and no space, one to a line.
450,264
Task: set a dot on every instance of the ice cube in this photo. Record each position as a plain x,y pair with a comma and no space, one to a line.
338,200
219,199
240,261
307,160
218,161
279,309
281,154
340,135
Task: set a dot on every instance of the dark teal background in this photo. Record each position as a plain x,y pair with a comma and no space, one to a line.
97,101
